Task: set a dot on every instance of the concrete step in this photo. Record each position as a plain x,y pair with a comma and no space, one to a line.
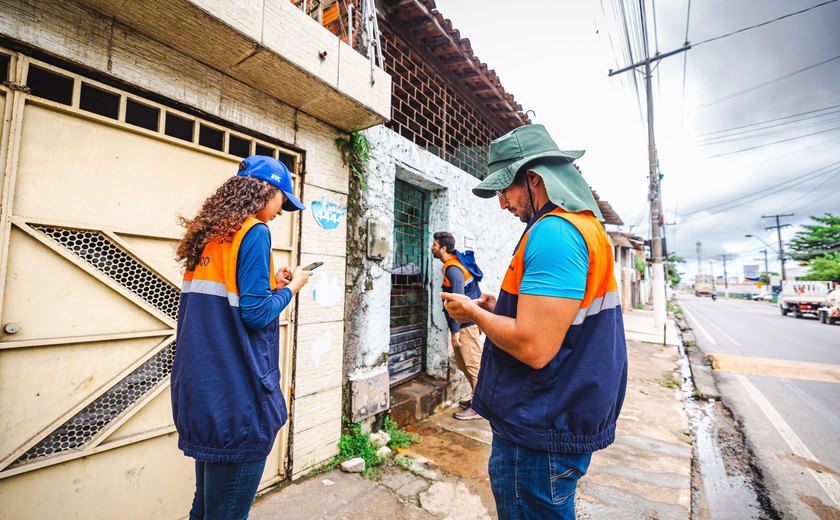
417,399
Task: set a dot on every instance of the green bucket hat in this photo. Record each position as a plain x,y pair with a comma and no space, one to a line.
531,146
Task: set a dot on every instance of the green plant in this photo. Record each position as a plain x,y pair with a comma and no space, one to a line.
357,443
399,438
670,381
640,265
640,305
356,152
404,463
698,393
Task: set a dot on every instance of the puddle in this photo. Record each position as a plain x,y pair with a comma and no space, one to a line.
728,488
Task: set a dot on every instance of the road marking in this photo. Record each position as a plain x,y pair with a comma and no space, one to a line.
699,327
729,338
827,482
776,368
819,410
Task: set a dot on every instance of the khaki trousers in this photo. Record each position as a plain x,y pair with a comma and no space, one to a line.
468,355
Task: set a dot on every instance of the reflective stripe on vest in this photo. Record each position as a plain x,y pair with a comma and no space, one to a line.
216,272
601,288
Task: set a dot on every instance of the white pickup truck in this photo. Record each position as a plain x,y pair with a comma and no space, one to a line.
802,297
830,312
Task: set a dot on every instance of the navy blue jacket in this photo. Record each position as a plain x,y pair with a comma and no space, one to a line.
226,399
572,404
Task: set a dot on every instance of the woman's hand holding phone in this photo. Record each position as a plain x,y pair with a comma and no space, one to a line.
299,279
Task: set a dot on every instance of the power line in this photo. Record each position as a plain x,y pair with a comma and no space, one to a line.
630,52
797,151
685,61
740,201
769,130
766,83
770,121
656,48
756,147
792,182
806,194
763,23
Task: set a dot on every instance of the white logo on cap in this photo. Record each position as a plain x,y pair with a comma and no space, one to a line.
276,177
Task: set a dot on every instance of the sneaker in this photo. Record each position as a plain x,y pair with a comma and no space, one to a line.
465,403
466,415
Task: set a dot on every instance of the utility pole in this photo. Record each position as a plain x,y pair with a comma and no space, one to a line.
712,269
778,227
766,268
725,276
699,263
654,193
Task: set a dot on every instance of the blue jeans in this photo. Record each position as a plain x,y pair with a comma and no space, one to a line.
225,491
530,484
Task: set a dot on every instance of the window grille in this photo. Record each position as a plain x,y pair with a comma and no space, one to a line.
409,297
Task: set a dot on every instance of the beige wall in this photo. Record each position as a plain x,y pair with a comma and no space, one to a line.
79,35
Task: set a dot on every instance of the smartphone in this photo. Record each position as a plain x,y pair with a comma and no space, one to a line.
313,266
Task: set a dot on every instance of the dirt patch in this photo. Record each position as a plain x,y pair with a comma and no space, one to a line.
812,464
450,451
460,458
822,511
731,442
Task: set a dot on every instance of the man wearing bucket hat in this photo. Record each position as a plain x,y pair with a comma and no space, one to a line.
554,369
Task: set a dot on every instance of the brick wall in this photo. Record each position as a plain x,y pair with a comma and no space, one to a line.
428,111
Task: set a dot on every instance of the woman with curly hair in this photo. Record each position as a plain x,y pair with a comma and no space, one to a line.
226,398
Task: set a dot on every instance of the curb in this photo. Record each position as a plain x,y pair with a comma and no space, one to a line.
701,368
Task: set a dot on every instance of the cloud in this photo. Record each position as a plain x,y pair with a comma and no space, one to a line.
553,61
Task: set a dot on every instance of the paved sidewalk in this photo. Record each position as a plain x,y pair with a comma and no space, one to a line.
645,474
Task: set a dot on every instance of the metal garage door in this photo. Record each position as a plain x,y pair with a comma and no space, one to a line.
93,181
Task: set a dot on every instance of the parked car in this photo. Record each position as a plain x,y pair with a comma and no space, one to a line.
830,312
763,297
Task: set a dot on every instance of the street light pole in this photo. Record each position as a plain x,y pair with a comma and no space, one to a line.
766,268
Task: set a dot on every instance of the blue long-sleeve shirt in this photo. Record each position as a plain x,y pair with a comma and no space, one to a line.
258,304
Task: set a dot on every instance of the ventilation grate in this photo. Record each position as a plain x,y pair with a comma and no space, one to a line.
83,426
100,252
95,249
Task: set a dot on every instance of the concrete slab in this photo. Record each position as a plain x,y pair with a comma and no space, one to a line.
646,473
404,483
477,429
638,326
349,497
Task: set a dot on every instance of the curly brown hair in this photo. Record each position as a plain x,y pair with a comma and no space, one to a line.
222,215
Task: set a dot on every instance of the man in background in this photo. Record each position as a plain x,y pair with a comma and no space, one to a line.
465,337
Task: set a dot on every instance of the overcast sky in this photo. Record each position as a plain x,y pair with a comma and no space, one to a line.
554,58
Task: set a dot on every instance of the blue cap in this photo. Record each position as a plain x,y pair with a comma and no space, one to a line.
273,172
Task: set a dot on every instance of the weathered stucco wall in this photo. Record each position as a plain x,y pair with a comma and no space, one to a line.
477,224
83,37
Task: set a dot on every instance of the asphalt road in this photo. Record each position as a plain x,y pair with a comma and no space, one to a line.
780,376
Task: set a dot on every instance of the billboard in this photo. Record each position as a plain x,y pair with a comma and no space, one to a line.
751,273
